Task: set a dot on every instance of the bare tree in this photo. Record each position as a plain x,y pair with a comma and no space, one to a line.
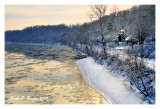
114,10
98,12
140,24
114,16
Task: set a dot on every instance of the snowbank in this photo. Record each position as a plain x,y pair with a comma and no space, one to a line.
110,87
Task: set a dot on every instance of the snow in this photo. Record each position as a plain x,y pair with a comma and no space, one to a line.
150,63
120,48
113,89
128,38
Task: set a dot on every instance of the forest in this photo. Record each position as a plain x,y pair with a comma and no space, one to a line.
123,41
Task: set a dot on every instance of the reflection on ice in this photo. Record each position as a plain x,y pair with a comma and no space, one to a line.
45,80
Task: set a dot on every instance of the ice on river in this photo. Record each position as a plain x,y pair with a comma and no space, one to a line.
45,74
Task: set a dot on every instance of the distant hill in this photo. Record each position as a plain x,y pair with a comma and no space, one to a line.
139,20
39,34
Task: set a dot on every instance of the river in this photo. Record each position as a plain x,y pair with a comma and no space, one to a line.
45,74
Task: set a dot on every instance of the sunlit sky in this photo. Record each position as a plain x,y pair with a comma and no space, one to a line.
18,17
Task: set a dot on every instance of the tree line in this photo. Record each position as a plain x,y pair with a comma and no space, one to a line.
138,21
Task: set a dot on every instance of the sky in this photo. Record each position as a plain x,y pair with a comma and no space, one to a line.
18,17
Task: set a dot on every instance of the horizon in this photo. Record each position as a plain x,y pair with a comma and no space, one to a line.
19,17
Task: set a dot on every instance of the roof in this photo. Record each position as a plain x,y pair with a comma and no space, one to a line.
131,38
128,38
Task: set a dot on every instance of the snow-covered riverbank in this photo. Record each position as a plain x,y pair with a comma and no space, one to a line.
113,89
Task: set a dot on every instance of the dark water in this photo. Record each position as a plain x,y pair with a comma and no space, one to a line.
45,74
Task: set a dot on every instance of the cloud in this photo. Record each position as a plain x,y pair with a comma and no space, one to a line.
45,10
29,15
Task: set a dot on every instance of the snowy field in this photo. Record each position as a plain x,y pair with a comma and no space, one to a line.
112,88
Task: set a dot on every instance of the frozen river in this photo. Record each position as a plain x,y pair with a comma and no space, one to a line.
45,74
